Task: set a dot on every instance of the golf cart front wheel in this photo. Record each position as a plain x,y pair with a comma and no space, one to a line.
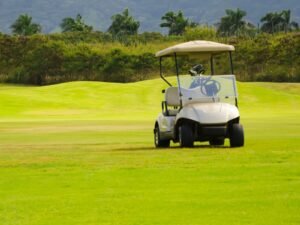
237,135
157,140
186,136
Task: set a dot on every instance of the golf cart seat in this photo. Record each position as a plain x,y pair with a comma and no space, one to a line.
172,100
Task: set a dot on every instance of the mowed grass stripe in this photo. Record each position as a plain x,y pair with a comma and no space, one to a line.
135,101
82,153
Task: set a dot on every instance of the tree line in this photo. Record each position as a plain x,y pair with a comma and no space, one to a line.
270,53
123,24
55,58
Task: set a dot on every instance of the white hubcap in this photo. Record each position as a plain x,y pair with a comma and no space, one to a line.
156,136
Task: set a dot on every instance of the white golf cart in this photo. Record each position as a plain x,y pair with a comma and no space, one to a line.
201,107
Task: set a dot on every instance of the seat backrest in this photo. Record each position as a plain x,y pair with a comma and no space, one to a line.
172,96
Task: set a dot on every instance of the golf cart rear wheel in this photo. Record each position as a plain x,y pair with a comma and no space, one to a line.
186,136
236,135
157,140
217,141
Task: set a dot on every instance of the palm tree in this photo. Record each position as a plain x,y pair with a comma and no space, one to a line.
233,23
123,24
176,22
272,22
278,21
24,26
288,25
69,24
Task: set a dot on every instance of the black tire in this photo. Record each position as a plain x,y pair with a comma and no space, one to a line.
157,140
217,141
236,135
186,136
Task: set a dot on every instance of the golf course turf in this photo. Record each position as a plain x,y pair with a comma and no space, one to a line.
82,153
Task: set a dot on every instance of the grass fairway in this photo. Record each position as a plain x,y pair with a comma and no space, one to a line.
82,153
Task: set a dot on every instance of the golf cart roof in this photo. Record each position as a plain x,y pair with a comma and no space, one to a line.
205,49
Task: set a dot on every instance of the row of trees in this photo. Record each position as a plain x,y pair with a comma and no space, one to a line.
40,60
123,24
55,58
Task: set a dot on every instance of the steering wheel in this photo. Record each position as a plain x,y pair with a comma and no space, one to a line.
210,87
196,70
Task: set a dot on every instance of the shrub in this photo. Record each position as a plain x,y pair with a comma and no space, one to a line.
200,33
47,59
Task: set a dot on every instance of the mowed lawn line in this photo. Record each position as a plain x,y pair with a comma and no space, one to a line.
73,132
130,182
82,100
107,172
134,101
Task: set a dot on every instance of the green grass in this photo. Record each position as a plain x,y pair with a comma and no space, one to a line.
82,153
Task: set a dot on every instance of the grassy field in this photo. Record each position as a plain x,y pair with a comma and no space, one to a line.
82,153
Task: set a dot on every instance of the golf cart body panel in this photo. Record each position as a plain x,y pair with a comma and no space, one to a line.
166,122
166,125
209,113
201,107
208,99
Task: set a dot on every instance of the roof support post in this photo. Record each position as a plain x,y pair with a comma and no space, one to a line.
176,64
232,72
178,81
231,63
212,69
160,72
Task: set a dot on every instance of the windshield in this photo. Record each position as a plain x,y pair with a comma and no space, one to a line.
208,88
